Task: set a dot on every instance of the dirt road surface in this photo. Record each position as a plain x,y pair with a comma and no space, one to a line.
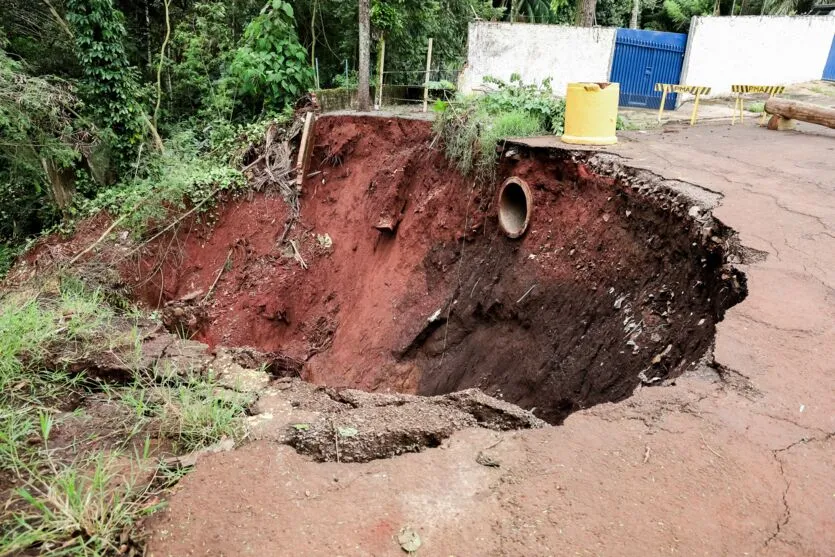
740,462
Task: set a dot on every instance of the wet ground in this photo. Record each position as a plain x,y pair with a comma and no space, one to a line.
726,460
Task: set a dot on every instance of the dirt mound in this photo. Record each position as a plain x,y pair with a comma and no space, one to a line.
397,278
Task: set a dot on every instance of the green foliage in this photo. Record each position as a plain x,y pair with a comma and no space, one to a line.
82,507
28,327
789,7
82,501
110,84
346,81
542,11
8,254
269,70
197,414
675,15
406,25
201,49
537,100
181,178
472,127
679,12
37,124
614,13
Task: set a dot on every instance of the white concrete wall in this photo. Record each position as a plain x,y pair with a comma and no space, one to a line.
565,54
753,50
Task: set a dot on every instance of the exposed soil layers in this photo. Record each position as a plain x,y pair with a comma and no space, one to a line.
396,277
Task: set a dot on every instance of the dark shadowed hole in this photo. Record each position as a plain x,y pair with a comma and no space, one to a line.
513,209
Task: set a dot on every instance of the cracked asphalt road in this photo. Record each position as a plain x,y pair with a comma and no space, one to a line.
736,460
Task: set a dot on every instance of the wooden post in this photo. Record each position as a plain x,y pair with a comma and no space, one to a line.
663,101
738,107
426,82
741,109
695,109
381,62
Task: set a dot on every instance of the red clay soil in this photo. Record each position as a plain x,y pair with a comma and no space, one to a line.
408,285
732,463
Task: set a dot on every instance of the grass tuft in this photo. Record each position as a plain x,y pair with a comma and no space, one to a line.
84,498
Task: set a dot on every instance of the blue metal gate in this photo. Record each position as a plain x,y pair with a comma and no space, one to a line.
829,68
644,58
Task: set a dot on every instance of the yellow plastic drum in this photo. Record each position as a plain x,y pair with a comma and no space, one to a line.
591,113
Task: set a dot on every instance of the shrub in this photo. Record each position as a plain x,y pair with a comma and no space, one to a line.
472,126
537,100
269,70
181,178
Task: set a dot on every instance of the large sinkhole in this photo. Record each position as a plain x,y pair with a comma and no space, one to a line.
397,275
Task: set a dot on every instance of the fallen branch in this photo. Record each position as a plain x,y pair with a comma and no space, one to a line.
708,447
287,226
525,295
298,255
217,278
97,242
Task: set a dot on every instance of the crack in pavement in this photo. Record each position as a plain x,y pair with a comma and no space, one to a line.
782,205
786,516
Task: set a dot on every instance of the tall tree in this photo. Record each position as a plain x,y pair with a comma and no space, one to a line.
636,9
363,93
585,13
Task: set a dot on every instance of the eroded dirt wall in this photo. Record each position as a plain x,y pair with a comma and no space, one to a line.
396,276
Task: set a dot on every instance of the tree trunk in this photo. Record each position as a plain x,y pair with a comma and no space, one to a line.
61,181
148,38
363,94
636,9
805,112
585,13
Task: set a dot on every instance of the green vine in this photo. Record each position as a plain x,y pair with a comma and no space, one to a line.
110,83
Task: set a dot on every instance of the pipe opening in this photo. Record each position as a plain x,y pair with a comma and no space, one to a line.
514,207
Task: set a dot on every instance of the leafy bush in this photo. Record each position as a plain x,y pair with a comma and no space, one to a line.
537,100
349,80
7,257
472,126
173,182
270,70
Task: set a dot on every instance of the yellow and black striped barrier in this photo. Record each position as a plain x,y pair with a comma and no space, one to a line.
740,90
697,90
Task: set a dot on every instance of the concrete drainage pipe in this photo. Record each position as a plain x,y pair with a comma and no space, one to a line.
515,206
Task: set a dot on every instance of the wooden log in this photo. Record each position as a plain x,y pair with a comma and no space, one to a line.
805,112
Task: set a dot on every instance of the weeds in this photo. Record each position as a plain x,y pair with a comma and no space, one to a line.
84,498
471,127
30,325
757,107
195,415
170,183
80,508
